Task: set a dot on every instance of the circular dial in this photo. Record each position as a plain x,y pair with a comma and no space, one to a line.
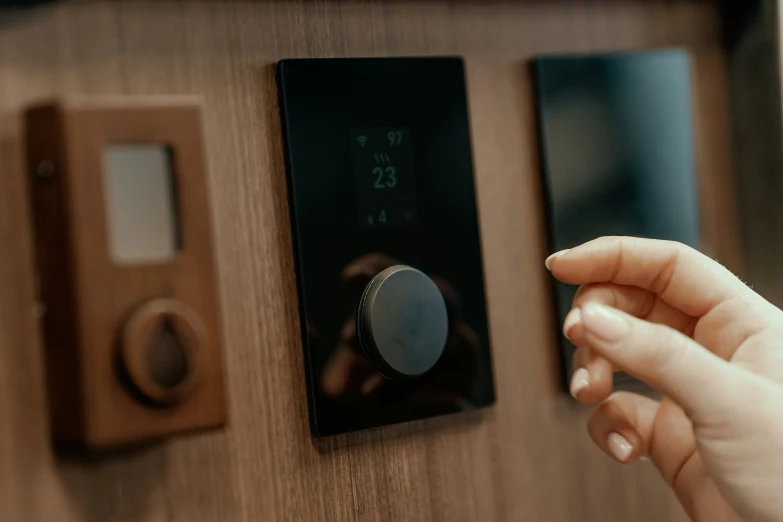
162,351
402,322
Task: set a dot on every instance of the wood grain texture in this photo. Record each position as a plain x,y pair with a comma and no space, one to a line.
527,458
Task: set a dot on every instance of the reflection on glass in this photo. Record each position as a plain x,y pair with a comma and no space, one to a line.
617,150
355,388
380,173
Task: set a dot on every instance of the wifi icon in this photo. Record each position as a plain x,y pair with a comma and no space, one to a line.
362,140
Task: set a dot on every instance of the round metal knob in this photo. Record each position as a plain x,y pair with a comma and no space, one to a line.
402,322
162,351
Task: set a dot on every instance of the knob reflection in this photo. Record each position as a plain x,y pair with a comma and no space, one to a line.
355,387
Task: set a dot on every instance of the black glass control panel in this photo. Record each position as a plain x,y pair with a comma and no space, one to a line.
389,265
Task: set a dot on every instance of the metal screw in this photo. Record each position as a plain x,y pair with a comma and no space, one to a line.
45,170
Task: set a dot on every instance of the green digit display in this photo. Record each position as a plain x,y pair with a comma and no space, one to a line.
385,178
395,137
391,177
383,161
378,171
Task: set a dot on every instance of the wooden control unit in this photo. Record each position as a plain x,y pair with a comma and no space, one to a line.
126,277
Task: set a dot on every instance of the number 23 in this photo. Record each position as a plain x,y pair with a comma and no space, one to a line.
390,175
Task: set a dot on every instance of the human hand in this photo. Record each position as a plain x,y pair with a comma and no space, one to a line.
682,323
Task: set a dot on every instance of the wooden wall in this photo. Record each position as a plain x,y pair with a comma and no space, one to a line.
528,458
754,58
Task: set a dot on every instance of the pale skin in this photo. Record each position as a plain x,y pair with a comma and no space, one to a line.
685,325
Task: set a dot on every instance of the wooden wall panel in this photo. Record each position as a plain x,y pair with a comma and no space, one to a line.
528,458
754,57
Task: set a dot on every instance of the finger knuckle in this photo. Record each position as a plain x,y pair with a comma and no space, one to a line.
666,348
597,424
677,247
579,357
595,292
664,276
604,419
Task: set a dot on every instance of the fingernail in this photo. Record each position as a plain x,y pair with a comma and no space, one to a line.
619,446
604,322
550,258
573,318
579,381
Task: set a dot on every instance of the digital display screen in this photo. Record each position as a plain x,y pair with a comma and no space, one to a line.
141,207
384,177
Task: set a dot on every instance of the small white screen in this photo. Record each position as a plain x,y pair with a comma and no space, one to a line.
140,203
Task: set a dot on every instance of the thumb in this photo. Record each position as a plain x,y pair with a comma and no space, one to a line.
662,357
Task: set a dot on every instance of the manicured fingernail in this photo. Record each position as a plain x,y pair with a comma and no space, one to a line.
604,322
579,381
573,318
619,446
550,258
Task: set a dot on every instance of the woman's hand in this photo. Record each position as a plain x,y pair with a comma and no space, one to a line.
682,323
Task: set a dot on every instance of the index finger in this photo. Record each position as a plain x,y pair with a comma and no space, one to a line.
681,276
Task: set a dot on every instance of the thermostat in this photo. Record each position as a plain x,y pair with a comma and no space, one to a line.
125,269
385,225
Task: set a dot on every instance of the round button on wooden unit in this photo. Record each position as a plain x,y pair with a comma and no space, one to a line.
162,351
402,322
